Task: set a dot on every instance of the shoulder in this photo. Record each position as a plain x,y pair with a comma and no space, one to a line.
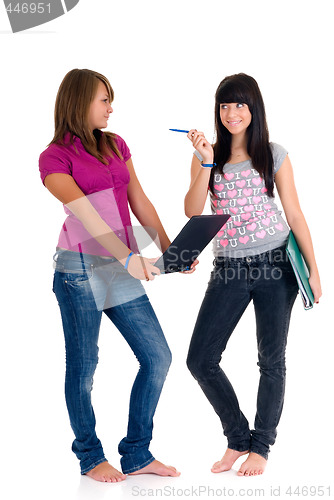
279,153
56,151
54,159
122,146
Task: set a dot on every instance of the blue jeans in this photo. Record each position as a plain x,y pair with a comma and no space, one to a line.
269,281
135,319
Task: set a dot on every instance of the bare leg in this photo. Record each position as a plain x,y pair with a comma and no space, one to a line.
228,460
106,473
158,468
253,466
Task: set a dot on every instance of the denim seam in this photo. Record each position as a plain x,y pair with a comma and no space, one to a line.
259,452
80,411
236,448
93,465
134,469
286,326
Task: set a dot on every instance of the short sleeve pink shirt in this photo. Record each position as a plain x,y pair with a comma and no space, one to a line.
104,185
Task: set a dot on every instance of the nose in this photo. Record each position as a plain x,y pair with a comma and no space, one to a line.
110,110
231,112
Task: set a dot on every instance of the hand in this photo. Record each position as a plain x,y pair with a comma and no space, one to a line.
192,268
142,268
315,285
201,145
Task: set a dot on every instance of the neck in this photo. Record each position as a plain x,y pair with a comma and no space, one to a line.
239,143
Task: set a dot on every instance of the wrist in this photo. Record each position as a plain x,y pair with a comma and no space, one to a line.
206,164
127,260
207,159
314,273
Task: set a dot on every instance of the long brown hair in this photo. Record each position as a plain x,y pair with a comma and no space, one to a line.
74,97
243,88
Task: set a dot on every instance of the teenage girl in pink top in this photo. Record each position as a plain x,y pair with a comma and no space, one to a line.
240,171
97,270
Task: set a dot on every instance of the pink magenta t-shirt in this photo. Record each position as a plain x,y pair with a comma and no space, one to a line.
104,185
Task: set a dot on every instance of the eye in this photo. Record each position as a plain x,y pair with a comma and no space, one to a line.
240,105
223,106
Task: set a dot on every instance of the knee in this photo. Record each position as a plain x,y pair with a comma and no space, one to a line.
157,363
199,366
81,366
192,363
165,360
272,367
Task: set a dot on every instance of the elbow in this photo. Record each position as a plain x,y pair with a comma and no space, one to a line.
191,211
188,213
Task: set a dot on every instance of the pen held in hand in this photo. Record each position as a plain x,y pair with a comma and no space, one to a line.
177,130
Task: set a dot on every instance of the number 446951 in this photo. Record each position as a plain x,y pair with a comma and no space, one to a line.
312,491
31,8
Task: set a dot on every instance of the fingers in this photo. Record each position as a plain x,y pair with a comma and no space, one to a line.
149,270
192,267
156,271
195,136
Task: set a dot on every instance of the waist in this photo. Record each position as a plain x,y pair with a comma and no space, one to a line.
60,249
272,256
77,262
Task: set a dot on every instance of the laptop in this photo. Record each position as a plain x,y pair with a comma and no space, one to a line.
190,242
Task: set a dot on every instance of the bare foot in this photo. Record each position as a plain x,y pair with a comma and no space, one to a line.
228,460
156,467
253,466
106,473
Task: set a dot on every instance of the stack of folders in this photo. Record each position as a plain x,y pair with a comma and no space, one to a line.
300,270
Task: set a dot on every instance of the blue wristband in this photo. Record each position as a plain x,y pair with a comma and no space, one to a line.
209,165
127,260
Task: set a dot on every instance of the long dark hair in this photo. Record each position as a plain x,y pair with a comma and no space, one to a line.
74,97
241,88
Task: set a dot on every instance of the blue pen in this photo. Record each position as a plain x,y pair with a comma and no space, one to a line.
177,130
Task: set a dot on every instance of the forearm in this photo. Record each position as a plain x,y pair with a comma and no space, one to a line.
302,234
98,228
195,198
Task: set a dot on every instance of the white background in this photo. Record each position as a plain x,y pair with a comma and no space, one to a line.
164,61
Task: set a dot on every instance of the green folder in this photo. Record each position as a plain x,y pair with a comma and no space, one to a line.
301,272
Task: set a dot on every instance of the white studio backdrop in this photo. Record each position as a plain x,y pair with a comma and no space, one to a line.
164,61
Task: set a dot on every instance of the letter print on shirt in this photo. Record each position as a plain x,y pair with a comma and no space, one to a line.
242,195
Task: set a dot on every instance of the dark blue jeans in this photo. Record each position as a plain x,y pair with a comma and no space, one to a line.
137,322
269,281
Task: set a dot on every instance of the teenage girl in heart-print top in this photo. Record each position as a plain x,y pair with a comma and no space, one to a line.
240,172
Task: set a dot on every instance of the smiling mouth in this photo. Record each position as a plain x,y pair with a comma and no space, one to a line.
234,123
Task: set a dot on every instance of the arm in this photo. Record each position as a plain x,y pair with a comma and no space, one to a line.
146,214
288,194
196,196
144,211
65,189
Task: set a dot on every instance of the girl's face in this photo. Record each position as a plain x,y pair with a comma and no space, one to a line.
235,116
100,108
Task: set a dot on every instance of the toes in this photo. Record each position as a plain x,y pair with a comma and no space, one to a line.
216,465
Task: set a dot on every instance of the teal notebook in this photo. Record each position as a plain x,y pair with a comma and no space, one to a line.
300,270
